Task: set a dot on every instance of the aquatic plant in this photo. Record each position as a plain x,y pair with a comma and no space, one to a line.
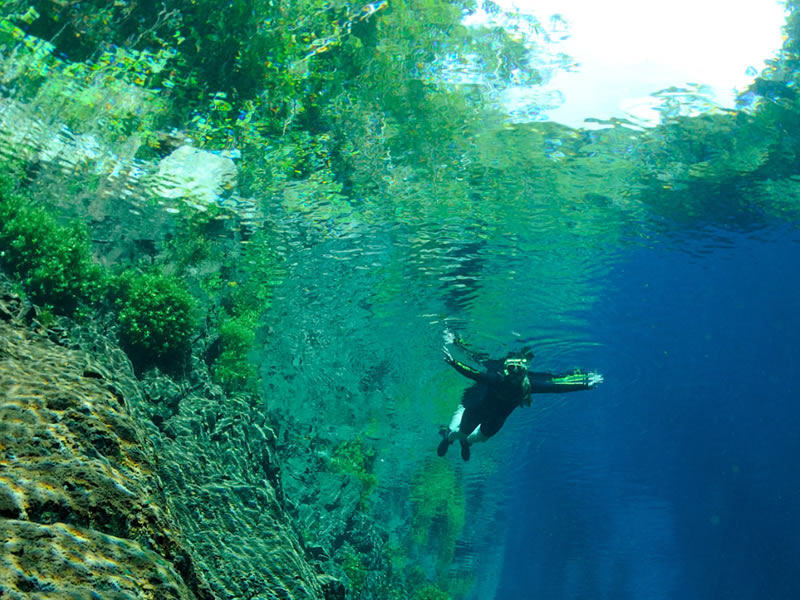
430,592
423,589
191,247
157,316
439,509
54,264
357,458
356,571
244,300
52,261
232,369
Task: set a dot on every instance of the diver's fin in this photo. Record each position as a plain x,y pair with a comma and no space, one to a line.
465,452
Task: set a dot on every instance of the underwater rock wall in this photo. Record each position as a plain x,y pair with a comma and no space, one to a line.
115,489
217,460
82,512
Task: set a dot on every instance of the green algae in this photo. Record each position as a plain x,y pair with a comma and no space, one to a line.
52,261
440,509
357,458
157,316
431,592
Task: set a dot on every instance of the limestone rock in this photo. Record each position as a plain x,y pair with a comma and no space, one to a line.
80,507
217,462
101,499
199,177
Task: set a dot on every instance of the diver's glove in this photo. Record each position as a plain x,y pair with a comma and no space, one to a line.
595,379
448,358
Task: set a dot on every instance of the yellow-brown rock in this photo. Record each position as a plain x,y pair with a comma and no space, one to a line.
81,514
113,487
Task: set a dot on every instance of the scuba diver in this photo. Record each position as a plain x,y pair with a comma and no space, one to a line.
500,387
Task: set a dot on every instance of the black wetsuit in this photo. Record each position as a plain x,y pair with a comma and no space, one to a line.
493,397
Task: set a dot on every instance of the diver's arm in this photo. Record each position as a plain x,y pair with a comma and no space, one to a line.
468,371
573,381
462,368
459,342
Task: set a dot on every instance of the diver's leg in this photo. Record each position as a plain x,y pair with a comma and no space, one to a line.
452,432
470,431
441,449
465,452
455,423
477,436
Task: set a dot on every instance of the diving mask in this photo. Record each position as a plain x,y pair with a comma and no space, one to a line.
515,366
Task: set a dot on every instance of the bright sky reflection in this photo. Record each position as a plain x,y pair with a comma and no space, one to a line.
628,49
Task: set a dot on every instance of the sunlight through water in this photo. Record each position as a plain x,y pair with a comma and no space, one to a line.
626,50
290,215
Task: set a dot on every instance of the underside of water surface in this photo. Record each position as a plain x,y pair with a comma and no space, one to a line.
251,227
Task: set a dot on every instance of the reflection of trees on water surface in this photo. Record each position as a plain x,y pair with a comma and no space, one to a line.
396,199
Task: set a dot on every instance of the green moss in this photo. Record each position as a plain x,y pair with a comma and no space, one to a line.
430,592
157,317
439,509
52,261
232,369
357,458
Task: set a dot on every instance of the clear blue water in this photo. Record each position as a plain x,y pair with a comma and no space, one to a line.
674,479
678,477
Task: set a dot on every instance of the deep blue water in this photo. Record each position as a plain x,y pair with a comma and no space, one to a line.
678,477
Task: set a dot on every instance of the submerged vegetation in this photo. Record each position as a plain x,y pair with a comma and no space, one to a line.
341,114
157,316
53,262
357,458
439,511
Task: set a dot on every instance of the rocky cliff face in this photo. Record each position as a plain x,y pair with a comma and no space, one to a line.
114,488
